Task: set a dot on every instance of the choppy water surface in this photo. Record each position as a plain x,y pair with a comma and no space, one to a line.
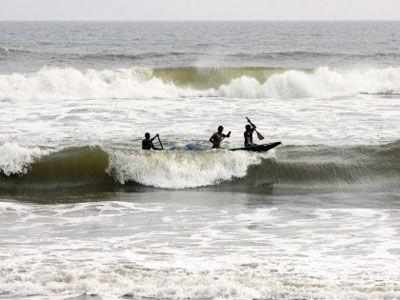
85,214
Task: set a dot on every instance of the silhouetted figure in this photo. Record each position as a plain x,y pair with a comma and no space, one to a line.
248,134
218,136
147,142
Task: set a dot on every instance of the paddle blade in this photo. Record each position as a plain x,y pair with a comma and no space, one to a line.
159,141
259,136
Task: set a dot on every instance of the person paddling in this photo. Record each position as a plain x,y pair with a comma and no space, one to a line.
218,136
248,134
147,142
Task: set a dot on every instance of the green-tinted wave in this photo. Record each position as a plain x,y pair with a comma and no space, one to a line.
90,169
205,78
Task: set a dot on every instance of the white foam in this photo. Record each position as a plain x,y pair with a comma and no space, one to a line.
178,170
232,256
323,82
260,215
15,159
71,83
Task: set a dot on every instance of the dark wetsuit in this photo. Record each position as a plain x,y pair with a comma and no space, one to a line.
248,137
147,144
217,138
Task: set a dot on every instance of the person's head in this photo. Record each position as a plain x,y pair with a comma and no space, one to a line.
248,127
220,128
147,135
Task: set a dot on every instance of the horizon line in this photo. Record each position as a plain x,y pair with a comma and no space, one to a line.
201,20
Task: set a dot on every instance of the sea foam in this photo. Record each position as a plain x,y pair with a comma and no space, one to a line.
322,82
180,169
135,82
15,159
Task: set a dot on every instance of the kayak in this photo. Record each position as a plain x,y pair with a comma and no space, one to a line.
258,148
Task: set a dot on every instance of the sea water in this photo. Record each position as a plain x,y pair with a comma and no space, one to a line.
86,214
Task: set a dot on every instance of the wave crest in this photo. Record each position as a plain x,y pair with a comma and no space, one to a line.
70,83
16,160
180,169
322,83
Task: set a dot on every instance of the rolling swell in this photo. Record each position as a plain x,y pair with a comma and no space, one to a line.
72,168
263,57
91,169
334,167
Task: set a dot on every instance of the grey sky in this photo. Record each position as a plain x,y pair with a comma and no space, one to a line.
199,9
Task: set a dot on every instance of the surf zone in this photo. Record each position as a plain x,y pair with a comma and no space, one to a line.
94,169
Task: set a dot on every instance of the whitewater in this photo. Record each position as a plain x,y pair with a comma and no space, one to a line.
86,214
137,82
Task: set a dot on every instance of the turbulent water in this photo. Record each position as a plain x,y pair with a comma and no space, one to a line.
86,214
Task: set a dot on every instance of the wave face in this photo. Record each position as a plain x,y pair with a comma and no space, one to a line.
71,83
293,166
180,169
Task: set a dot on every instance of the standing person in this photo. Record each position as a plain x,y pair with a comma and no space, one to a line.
218,136
248,134
147,142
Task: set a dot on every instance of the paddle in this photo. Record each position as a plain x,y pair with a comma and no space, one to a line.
159,141
259,135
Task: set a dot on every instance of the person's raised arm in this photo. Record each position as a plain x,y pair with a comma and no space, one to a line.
154,137
251,123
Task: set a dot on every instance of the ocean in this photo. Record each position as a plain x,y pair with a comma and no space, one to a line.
86,214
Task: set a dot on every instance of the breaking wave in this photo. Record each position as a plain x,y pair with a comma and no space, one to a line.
180,169
136,82
25,169
15,159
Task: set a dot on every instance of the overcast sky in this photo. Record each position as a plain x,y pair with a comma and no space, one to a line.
199,9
